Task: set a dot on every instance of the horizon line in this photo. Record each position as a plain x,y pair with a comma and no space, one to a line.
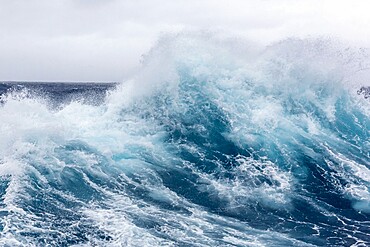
55,81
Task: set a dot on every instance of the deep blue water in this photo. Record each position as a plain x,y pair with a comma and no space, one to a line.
204,147
61,93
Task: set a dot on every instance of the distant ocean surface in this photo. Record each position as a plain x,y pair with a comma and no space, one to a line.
60,93
212,143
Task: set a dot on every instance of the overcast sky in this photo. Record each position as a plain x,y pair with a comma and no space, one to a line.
103,40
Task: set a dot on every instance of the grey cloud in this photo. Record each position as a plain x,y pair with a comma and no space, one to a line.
103,40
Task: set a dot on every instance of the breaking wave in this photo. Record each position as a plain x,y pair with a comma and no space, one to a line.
215,141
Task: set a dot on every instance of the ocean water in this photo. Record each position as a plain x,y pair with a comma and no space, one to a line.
213,142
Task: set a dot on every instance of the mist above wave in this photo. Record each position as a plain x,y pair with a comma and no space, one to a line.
214,141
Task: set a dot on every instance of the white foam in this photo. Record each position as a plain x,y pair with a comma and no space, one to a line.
251,87
357,177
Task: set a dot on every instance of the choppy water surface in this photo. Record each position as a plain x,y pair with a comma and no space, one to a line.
214,142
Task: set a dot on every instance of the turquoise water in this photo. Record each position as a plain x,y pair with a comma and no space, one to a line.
214,142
